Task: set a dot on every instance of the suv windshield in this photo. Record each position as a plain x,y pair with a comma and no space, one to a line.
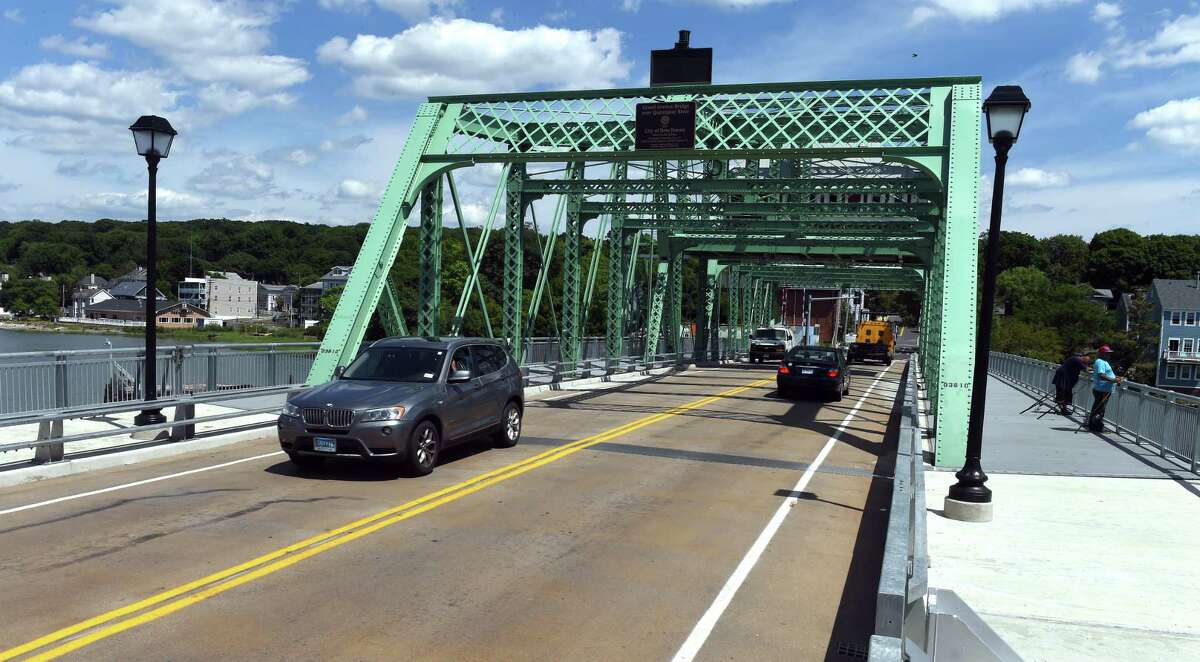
817,354
397,364
769,334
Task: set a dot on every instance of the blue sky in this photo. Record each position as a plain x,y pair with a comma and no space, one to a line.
298,109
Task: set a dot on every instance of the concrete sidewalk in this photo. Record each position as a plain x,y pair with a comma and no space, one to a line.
1092,553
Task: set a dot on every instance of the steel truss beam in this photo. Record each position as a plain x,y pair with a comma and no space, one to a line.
789,209
892,166
820,227
857,186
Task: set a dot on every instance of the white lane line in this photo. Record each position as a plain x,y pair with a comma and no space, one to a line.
147,481
708,621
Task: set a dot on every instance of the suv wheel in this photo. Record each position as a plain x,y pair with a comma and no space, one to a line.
423,449
510,427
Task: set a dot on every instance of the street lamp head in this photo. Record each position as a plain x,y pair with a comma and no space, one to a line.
1005,109
152,135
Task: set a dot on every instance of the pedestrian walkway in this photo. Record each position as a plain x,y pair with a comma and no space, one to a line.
1091,555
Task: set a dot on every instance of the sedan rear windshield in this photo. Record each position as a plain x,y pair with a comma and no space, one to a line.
397,364
812,354
769,334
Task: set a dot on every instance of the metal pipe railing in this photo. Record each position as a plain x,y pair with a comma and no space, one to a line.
1163,419
255,370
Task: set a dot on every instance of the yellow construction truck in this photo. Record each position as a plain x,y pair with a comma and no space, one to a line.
875,341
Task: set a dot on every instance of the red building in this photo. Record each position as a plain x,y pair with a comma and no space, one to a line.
823,312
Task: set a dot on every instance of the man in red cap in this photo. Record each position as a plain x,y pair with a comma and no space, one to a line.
1103,381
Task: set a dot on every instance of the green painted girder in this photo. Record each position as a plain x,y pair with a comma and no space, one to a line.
826,227
723,209
569,342
655,312
897,154
801,247
429,255
841,113
514,257
896,186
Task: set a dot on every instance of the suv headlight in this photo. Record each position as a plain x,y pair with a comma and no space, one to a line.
383,414
290,409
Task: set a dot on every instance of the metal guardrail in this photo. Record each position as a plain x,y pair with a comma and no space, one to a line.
913,622
57,381
1163,419
903,578
256,366
47,382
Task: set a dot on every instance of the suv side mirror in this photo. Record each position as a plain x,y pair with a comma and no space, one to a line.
338,371
459,376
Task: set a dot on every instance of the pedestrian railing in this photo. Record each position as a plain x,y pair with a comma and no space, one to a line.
33,382
1160,418
48,388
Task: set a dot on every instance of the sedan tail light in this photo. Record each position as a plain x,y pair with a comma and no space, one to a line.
833,372
783,369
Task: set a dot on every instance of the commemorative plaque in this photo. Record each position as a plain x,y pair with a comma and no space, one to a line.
667,125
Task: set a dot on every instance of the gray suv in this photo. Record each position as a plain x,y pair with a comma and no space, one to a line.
406,399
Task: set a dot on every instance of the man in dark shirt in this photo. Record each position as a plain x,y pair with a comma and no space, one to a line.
1065,379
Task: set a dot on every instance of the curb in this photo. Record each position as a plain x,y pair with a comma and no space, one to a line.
15,477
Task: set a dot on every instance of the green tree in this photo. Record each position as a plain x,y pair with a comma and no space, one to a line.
329,301
1066,258
49,258
1018,249
1118,259
1016,336
30,296
1020,287
1173,256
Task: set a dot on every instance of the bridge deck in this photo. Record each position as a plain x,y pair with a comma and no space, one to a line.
613,548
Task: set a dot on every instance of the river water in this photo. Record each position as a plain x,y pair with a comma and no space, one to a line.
41,341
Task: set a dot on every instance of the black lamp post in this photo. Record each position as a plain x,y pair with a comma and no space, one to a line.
152,135
1005,110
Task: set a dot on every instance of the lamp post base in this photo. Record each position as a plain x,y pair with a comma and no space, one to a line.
149,417
967,511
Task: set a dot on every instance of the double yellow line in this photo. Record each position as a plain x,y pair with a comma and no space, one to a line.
172,600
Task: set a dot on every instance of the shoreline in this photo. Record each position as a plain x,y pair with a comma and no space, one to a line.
135,332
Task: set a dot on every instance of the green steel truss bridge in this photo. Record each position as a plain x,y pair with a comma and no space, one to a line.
867,184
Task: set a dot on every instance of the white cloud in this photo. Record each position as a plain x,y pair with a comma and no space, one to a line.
631,5
1175,123
14,15
234,175
209,42
79,47
980,10
1037,178
1106,12
80,107
224,99
1177,42
1085,67
169,203
459,56
352,116
83,90
353,189
303,155
413,10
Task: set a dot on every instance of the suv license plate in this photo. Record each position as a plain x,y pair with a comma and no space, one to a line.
806,371
325,444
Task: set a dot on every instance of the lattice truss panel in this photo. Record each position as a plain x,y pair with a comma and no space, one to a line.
751,120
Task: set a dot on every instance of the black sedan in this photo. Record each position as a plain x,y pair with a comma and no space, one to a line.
819,369
404,400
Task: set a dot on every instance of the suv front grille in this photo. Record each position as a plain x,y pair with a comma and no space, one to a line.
333,418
